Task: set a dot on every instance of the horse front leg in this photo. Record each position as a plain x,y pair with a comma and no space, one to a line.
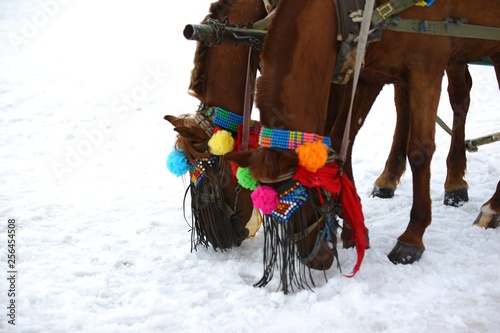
385,185
459,86
421,146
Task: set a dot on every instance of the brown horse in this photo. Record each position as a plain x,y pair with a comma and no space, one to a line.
222,211
456,187
296,81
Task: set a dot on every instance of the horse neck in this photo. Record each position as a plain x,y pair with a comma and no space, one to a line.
226,64
298,102
226,77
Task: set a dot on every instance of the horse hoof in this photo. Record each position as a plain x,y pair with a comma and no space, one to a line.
382,192
487,220
404,253
456,198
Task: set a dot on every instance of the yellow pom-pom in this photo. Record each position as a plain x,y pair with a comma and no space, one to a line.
312,156
221,143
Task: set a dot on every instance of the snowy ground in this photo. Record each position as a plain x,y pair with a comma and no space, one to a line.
102,245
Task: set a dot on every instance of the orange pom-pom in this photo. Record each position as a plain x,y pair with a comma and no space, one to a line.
312,156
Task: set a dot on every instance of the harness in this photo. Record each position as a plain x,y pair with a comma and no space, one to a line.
350,14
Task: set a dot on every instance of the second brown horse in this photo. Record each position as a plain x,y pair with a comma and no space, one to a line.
300,85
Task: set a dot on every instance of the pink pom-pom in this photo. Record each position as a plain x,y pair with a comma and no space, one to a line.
265,198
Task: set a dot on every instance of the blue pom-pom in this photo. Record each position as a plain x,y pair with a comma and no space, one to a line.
177,162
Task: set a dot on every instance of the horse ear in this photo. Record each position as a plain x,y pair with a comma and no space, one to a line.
194,133
241,158
175,121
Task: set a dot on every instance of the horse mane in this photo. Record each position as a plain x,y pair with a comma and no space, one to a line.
273,54
197,86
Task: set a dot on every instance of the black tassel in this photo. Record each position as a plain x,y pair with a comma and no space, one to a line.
281,251
213,223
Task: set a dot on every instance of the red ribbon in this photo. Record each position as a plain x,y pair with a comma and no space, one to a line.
339,185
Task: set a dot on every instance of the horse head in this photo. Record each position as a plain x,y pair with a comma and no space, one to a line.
222,211
297,225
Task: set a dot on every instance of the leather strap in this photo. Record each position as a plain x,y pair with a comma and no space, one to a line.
247,108
383,12
265,22
443,28
345,24
360,55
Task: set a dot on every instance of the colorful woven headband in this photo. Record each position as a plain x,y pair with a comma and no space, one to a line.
291,140
207,116
227,120
230,121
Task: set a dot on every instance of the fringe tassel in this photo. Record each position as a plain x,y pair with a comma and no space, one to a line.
212,221
281,253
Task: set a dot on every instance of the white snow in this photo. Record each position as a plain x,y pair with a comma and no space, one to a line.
101,241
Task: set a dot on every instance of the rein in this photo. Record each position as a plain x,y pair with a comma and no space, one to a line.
301,235
317,244
360,54
247,110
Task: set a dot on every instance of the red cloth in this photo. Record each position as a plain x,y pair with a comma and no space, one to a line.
253,143
353,212
253,140
341,187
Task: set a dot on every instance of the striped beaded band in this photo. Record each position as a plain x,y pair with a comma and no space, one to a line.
227,120
230,121
204,118
291,140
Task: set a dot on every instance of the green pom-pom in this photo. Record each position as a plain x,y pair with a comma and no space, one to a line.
245,179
